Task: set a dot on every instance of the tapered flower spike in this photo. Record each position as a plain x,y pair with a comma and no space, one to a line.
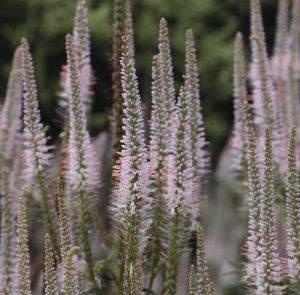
293,212
163,106
132,175
200,160
292,74
259,53
122,26
180,201
50,276
295,39
280,61
82,175
266,106
268,263
192,281
8,234
82,52
212,289
129,28
294,31
21,279
82,44
167,72
10,118
117,110
158,126
281,27
36,150
159,141
199,154
203,281
253,172
70,282
238,145
83,172
286,63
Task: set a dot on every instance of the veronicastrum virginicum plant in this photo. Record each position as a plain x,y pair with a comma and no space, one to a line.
157,189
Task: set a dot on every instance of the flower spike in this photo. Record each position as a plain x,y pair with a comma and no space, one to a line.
199,155
292,69
238,146
50,276
83,173
82,44
268,263
122,26
197,129
293,212
37,154
70,282
180,201
254,199
8,233
10,118
83,170
192,281
203,281
281,27
129,27
22,270
266,107
159,141
280,62
82,50
132,175
167,72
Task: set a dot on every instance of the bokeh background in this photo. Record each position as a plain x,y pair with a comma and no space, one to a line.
214,22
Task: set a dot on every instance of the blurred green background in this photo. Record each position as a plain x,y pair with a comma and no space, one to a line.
214,22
